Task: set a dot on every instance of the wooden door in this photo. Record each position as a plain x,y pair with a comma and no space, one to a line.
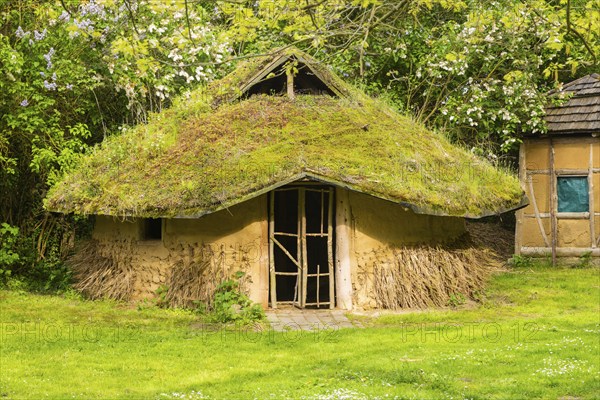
301,246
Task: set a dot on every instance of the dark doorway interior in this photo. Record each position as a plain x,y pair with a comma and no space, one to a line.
316,244
286,222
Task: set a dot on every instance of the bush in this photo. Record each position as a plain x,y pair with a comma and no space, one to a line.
31,270
518,261
231,305
8,254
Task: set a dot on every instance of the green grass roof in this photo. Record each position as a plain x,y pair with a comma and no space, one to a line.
206,154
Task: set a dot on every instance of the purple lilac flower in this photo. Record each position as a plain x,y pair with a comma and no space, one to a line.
64,17
93,8
50,86
54,77
24,103
86,24
20,33
69,86
42,74
39,35
48,58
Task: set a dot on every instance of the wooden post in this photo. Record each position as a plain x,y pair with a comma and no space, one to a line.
272,251
553,203
343,246
318,282
592,206
264,258
299,242
330,266
304,262
290,84
519,214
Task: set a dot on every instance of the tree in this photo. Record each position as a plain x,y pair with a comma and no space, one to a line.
74,73
477,70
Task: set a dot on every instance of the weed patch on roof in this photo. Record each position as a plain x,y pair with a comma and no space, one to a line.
197,158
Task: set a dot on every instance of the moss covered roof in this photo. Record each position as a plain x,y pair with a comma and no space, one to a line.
213,150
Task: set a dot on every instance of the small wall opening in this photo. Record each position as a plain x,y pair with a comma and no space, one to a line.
152,229
305,82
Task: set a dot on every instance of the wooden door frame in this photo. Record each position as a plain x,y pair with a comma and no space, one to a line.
301,259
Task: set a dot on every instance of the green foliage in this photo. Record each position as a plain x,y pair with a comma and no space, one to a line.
8,255
72,73
51,275
456,299
519,261
23,267
585,260
231,305
161,296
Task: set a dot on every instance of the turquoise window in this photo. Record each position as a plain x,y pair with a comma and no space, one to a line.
573,194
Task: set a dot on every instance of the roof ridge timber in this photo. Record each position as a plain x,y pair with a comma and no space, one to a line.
237,83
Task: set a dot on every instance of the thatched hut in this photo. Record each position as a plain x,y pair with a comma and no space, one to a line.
560,172
322,195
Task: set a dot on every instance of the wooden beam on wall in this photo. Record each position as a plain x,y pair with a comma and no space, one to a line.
273,277
264,274
563,171
520,213
562,215
553,201
560,251
330,266
343,248
591,197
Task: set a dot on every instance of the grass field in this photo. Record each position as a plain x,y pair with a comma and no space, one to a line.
536,334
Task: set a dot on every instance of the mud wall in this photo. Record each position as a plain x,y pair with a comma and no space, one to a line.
202,252
573,156
217,244
379,229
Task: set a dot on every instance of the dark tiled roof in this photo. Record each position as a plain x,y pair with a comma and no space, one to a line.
581,113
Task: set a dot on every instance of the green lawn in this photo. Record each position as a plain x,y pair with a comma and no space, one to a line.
535,335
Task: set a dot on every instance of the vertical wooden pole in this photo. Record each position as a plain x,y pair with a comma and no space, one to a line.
330,266
318,282
553,203
343,246
304,263
519,214
290,84
264,257
592,206
322,211
298,287
272,251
